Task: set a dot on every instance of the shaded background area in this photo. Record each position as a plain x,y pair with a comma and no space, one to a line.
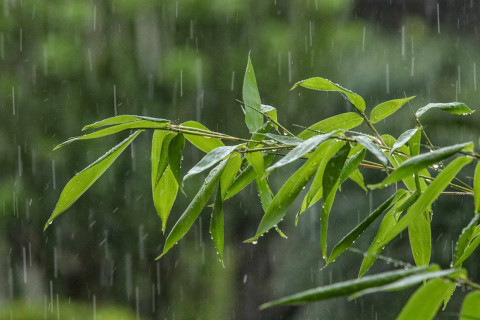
64,64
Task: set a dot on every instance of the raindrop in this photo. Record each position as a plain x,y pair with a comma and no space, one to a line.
403,41
13,100
24,252
114,99
363,40
387,74
233,81
438,17
289,66
459,81
475,76
245,279
54,180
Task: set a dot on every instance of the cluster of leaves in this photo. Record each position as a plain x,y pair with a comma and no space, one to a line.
331,153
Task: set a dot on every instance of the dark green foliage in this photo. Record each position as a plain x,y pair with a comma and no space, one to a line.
330,153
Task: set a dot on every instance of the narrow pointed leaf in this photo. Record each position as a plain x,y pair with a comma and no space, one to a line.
357,177
344,288
426,301
301,150
164,196
230,172
403,139
245,177
216,224
286,140
330,184
175,149
422,161
142,124
414,143
195,207
316,189
85,178
206,144
420,237
271,112
344,121
251,97
288,193
471,306
411,281
465,239
431,193
351,165
159,156
347,241
373,148
472,245
386,109
451,107
257,162
322,84
124,118
210,159
476,188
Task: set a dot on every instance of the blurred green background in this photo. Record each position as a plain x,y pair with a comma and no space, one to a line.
64,64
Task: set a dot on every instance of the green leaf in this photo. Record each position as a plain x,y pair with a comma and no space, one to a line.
431,193
357,177
124,118
142,124
159,156
85,178
322,84
330,183
286,140
164,195
175,149
302,149
194,208
471,306
256,160
469,233
216,224
271,112
420,236
345,288
351,165
382,237
251,98
476,187
451,107
422,161
414,143
164,185
426,301
347,241
229,173
403,139
316,189
387,108
245,177
411,281
206,144
287,194
373,148
344,121
210,159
